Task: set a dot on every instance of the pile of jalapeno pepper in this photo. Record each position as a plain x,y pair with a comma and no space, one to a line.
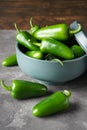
54,40
47,43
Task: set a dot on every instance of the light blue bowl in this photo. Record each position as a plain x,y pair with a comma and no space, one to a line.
49,71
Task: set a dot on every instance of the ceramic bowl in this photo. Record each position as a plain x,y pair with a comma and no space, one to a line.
49,71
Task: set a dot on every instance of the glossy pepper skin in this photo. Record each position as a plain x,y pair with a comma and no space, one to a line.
26,40
77,50
21,89
57,102
34,54
61,32
56,48
10,61
33,28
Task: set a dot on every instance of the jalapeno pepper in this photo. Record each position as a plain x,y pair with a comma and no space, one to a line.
33,28
77,50
58,31
10,60
26,40
34,54
56,102
21,89
56,48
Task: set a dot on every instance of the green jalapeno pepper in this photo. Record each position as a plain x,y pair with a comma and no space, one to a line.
55,103
34,54
26,40
10,60
21,89
56,48
34,28
77,50
60,32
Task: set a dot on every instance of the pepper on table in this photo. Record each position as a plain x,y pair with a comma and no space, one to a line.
57,102
10,60
21,89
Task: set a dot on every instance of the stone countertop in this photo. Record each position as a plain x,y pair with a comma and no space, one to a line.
16,114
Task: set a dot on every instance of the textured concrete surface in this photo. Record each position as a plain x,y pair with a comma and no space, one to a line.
16,115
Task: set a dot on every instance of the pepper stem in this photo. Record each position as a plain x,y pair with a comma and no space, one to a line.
16,27
31,25
67,93
37,44
76,30
4,86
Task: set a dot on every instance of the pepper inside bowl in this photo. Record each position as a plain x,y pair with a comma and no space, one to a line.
50,71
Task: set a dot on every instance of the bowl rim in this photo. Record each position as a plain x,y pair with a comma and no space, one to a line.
48,61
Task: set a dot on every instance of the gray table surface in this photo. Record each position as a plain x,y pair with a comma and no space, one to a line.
16,115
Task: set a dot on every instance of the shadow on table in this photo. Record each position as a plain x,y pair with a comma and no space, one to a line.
78,83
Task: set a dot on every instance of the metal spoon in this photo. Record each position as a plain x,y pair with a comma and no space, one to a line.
80,37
